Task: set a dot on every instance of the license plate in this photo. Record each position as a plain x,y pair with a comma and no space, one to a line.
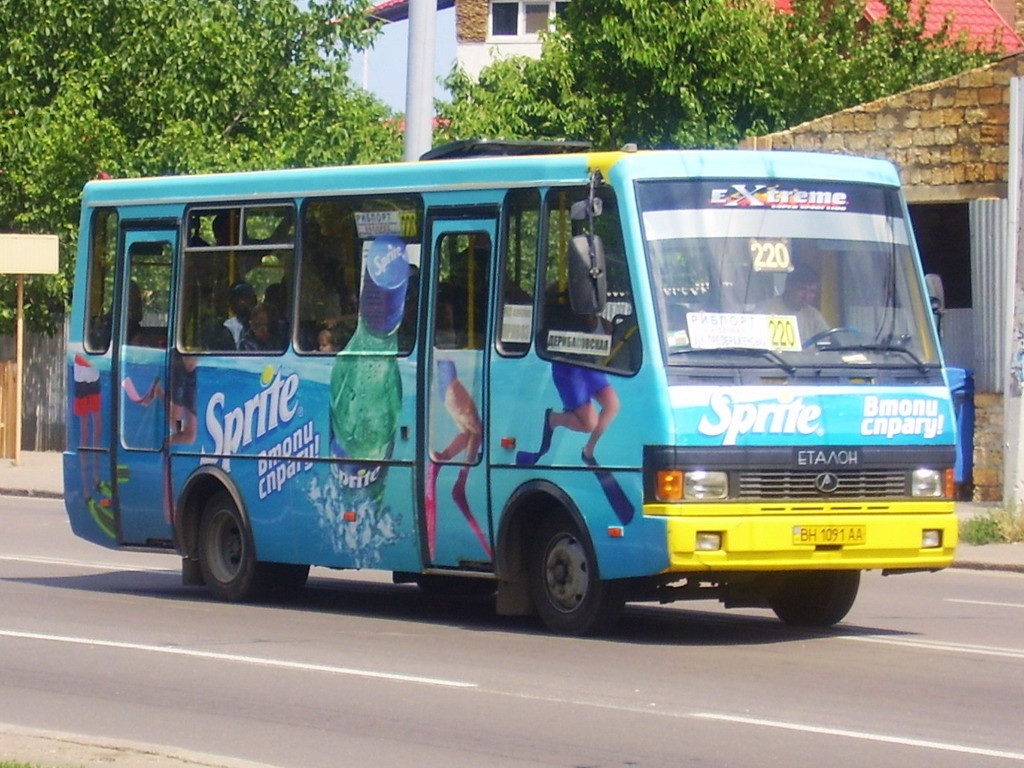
828,534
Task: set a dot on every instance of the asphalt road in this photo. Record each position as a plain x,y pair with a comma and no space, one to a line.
927,670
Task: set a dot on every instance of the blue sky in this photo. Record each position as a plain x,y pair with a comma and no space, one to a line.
385,71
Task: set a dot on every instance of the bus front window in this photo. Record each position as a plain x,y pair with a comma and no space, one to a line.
812,273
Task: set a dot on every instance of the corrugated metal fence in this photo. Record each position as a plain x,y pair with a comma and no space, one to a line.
43,394
992,270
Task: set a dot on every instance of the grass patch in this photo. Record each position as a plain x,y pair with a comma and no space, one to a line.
1000,526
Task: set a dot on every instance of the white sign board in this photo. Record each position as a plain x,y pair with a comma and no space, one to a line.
28,255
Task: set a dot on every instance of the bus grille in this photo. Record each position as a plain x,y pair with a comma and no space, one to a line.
786,484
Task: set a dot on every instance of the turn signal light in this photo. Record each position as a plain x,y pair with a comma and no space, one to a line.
669,485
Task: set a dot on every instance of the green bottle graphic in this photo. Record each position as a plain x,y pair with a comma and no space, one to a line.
366,386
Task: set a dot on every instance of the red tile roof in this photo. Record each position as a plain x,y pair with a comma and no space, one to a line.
398,10
983,25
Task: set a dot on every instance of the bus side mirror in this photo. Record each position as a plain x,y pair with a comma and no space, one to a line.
588,279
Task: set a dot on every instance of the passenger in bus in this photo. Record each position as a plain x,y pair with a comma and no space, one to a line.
223,232
799,298
325,341
260,334
445,336
340,323
276,296
242,299
134,333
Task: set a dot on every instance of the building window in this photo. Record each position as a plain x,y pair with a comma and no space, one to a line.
523,19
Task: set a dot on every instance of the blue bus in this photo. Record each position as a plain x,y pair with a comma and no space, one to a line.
569,378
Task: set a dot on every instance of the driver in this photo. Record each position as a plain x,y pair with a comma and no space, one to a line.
799,298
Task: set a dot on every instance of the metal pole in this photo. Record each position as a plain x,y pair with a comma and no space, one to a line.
19,353
1013,413
419,84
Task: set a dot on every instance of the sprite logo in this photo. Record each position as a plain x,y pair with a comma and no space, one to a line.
732,421
235,428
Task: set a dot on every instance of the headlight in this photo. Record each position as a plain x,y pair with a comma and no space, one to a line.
701,485
927,483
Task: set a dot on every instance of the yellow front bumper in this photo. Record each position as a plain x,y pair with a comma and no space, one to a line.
760,537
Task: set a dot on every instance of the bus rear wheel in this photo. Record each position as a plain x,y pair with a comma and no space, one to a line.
815,598
566,587
227,556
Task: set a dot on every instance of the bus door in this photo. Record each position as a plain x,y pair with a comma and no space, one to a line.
456,509
140,375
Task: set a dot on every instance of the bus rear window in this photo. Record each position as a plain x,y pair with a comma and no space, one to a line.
99,301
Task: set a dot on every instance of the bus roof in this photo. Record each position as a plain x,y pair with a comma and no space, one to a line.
491,172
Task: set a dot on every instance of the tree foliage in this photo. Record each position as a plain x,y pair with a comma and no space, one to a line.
145,87
701,72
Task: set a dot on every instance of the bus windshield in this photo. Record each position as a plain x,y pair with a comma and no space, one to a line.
786,273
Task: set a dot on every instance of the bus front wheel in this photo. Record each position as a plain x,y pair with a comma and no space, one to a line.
567,590
815,598
227,557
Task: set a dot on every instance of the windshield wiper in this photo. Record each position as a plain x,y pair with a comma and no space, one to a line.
921,365
768,354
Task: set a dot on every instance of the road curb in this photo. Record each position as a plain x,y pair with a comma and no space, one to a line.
70,750
32,493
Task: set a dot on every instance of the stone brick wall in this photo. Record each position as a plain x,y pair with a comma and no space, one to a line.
471,21
948,138
988,447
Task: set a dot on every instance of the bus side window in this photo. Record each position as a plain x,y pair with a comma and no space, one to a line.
230,248
99,302
520,248
335,234
610,340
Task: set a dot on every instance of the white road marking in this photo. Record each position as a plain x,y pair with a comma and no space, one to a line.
238,658
89,565
864,736
935,645
985,602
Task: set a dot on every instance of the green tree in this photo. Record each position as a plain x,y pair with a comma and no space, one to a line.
700,72
146,87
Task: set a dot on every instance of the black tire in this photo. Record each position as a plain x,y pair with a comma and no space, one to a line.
815,598
567,590
227,557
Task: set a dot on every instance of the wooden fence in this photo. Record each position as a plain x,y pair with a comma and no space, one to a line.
43,395
8,407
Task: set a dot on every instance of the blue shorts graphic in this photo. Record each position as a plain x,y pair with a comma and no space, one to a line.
577,386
